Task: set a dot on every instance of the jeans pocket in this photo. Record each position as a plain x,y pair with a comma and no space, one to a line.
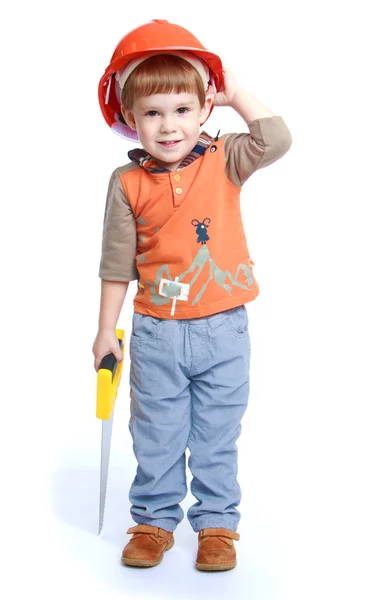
236,321
144,327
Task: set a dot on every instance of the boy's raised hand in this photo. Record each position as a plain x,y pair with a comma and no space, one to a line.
105,343
230,87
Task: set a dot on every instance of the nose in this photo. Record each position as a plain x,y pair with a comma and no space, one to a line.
168,124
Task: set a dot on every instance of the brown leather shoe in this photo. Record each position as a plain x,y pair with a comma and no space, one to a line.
147,546
216,550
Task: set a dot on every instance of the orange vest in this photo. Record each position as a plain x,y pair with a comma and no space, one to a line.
192,259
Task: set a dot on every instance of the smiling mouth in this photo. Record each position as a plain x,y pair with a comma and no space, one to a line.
170,143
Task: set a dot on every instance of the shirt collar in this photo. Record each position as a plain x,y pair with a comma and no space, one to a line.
145,160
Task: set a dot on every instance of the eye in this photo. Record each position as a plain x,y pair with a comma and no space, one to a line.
151,113
182,110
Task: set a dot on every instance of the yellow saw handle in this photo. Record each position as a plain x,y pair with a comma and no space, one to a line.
108,379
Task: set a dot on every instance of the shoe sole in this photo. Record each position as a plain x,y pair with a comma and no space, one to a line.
213,567
135,562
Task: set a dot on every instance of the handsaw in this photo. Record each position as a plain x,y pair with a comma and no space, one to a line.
108,379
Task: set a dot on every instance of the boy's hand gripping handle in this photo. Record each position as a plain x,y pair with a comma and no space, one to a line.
108,379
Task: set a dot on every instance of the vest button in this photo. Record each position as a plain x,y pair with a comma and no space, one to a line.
178,191
177,177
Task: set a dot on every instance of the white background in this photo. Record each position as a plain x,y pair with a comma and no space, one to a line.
303,447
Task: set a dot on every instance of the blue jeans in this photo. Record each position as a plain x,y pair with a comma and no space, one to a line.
189,382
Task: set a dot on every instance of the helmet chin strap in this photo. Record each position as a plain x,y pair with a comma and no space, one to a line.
107,95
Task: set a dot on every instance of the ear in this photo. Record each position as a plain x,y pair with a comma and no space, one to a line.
129,118
204,112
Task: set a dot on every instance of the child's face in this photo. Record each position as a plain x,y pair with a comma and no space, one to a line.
168,125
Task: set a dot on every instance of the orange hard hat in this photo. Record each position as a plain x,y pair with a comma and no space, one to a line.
158,36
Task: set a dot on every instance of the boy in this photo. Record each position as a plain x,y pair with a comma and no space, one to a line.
173,222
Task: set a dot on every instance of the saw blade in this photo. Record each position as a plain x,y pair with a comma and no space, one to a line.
105,460
108,379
